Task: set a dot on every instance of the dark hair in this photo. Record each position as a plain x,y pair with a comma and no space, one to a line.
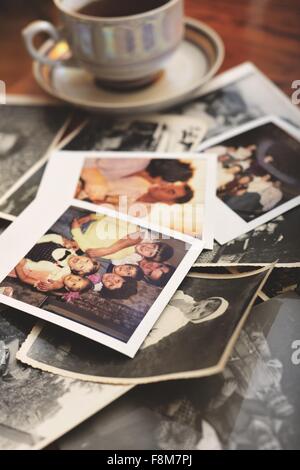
164,252
139,272
128,289
94,270
164,279
88,287
170,170
189,194
246,175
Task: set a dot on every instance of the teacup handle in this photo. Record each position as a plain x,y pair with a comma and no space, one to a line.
29,33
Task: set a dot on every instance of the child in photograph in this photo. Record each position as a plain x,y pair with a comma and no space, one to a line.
127,271
118,244
46,276
157,274
183,310
118,287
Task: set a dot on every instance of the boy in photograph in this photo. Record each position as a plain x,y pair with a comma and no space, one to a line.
182,311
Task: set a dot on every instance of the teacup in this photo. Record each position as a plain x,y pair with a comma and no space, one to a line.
120,51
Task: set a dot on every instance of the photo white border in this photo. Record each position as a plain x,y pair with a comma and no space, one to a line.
229,225
66,177
17,240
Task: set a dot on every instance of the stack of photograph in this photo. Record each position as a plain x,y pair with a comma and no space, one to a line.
150,273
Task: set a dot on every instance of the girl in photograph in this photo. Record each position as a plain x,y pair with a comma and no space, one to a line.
46,276
127,271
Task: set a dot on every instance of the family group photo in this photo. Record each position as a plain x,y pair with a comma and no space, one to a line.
97,270
253,177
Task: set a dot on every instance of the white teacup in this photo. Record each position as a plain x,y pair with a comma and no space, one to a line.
122,51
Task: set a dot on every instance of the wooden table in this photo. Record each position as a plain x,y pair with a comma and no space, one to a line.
266,32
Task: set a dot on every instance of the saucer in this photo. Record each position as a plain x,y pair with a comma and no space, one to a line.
196,61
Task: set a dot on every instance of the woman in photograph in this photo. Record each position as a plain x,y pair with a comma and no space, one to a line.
109,239
162,181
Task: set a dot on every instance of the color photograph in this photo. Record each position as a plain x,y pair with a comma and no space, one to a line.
100,272
158,188
255,184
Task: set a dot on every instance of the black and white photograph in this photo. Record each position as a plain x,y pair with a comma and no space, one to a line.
228,101
105,277
150,133
255,185
14,204
38,407
275,241
253,405
281,281
193,337
29,128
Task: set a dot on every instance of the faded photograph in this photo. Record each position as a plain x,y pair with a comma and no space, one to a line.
190,338
277,240
253,178
253,405
26,133
38,407
97,270
167,192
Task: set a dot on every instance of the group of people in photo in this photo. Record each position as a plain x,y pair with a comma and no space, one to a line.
101,256
244,184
